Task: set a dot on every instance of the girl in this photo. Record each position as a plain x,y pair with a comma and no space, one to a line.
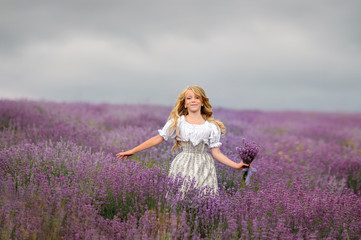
193,128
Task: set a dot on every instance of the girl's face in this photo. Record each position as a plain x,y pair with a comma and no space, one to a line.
192,102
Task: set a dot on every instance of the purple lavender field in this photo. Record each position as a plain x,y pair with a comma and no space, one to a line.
59,178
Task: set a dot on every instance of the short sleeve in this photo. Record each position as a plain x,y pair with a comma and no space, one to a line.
215,136
164,132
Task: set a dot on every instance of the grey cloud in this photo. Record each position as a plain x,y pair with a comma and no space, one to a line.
246,54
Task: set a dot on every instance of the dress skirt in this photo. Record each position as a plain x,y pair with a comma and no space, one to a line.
195,163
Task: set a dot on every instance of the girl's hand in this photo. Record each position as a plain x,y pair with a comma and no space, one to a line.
125,155
242,165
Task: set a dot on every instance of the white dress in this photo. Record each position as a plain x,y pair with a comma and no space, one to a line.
194,161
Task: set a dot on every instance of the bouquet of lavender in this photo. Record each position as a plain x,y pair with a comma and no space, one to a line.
247,151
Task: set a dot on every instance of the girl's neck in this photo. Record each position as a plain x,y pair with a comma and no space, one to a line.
194,117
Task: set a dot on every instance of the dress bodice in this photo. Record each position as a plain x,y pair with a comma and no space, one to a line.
207,132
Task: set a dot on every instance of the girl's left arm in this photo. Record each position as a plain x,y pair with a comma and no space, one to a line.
219,156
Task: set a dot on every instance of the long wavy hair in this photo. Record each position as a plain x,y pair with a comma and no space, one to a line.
179,110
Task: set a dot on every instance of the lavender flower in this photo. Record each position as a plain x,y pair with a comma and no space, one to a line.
247,151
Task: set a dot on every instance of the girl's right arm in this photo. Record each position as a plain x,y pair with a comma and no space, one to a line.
147,144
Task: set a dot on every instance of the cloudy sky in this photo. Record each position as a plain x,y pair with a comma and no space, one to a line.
264,55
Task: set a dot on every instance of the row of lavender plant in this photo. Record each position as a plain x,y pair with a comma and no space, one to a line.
59,177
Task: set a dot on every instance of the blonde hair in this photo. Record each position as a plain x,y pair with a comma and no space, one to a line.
179,110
